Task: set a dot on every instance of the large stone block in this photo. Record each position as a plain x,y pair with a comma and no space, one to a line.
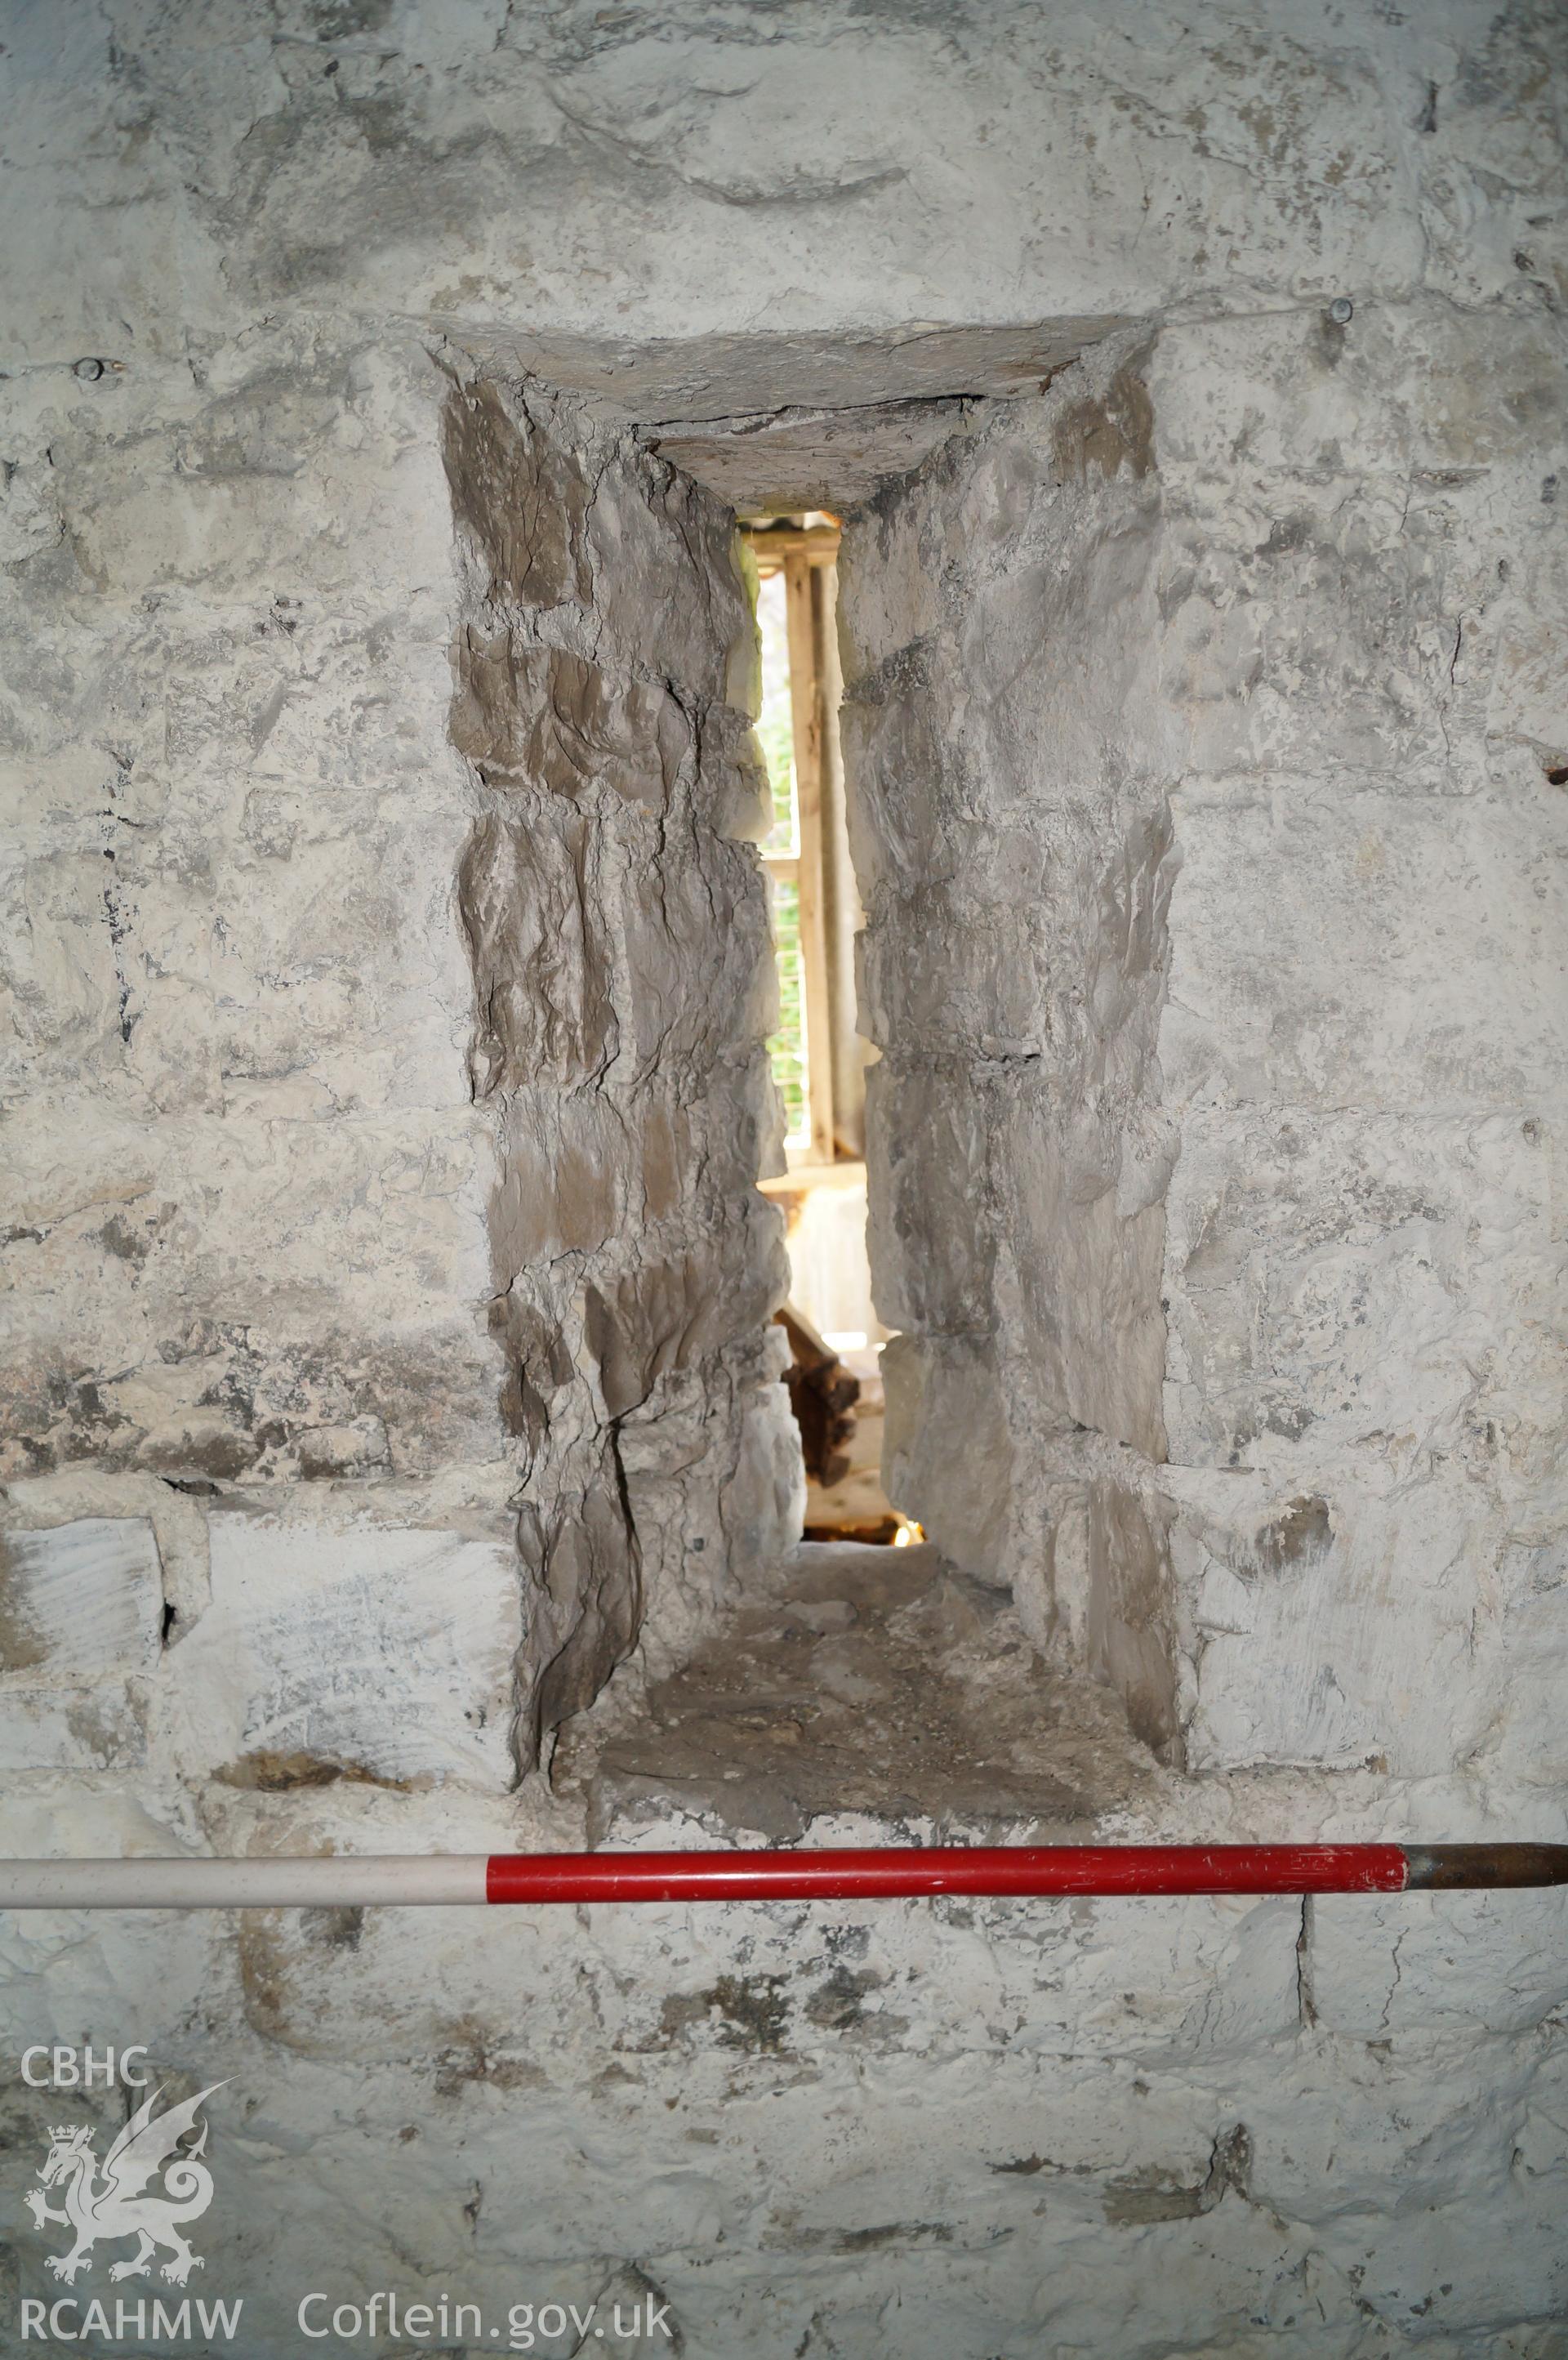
889,595
932,1227
667,578
532,894
733,793
1062,732
355,1650
928,972
890,728
1328,1274
565,1178
1083,1248
82,1609
697,952
1348,1627
92,1730
1130,1613
1400,386
1383,1969
539,718
1524,1741
79,1601
948,1452
1356,949
521,498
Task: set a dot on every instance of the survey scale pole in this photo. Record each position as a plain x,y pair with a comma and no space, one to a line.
829,1873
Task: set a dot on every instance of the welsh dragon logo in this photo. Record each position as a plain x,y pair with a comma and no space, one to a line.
112,2204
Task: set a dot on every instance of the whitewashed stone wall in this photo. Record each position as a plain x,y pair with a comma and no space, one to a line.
1205,804
1207,740
623,986
323,1059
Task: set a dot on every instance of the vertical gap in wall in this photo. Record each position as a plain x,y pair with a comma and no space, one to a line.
1306,1995
818,1057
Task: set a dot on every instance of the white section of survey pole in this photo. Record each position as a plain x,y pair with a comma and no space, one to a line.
335,1881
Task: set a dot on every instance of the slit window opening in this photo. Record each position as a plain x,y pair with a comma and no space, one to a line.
787,1048
817,1056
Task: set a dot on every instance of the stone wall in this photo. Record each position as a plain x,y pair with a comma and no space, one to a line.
623,984
1013,760
384,1123
1207,747
230,967
383,1097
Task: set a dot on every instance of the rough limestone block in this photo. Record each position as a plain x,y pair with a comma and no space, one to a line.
531,888
563,1184
1297,1656
889,595
97,1729
1085,1256
1388,1967
734,788
932,1227
1334,949
1328,1274
356,1652
696,936
1526,1734
1064,735
667,579
926,970
79,1601
1404,387
763,1506
539,718
134,1975
890,728
80,1617
1129,1616
947,1452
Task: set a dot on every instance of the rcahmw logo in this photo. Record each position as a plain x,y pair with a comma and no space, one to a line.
153,2181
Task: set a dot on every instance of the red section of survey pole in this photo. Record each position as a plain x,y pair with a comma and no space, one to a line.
1021,1870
